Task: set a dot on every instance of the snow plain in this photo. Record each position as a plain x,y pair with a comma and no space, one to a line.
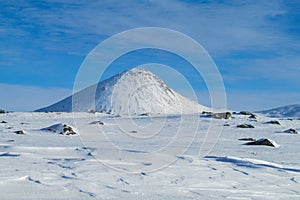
42,164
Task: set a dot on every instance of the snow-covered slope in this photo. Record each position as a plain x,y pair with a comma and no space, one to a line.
133,92
284,111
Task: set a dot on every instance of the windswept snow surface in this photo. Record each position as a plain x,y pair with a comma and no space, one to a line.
39,165
133,92
284,111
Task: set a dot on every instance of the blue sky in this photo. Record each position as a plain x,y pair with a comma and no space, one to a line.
255,44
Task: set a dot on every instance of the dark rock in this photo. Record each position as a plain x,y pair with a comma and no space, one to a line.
225,115
133,131
273,122
245,113
3,122
20,132
206,113
290,119
143,173
252,116
291,131
263,141
2,111
226,125
97,122
247,139
62,129
144,114
67,130
245,126
92,111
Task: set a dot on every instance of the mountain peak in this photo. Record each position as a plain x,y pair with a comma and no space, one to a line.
132,92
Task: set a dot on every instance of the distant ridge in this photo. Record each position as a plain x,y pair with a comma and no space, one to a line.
133,92
284,111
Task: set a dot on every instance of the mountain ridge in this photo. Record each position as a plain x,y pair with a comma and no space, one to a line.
283,111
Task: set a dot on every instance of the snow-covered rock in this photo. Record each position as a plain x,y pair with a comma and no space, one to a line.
245,126
133,92
263,141
60,128
20,132
291,131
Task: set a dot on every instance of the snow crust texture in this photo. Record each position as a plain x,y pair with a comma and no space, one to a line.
43,164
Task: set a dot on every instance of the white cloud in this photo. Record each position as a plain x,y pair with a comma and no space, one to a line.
220,27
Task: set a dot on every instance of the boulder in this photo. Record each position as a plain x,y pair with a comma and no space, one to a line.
3,122
133,131
92,111
67,130
291,131
245,126
263,141
252,116
20,132
247,139
97,122
245,113
62,129
273,122
206,113
224,115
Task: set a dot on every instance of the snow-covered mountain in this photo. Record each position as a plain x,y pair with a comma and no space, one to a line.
133,92
284,111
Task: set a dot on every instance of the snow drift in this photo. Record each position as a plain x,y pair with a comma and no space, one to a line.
133,92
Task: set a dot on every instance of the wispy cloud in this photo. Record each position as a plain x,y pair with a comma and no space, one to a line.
220,27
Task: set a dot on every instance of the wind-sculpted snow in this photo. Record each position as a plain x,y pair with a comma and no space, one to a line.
133,92
253,163
43,165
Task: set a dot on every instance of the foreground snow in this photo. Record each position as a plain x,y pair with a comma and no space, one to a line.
46,165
